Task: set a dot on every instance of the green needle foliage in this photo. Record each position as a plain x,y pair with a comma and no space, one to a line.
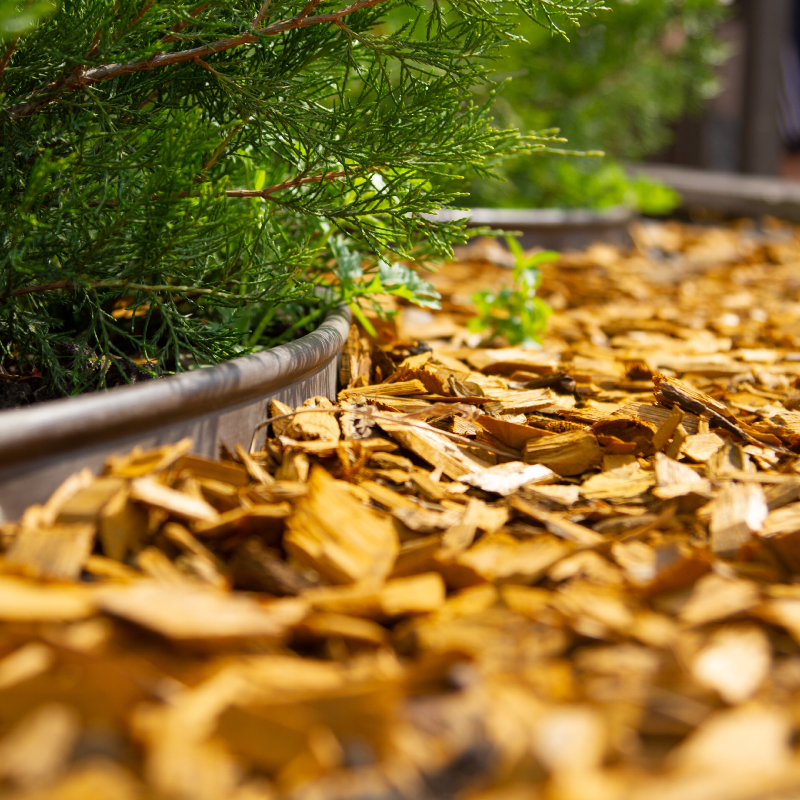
178,178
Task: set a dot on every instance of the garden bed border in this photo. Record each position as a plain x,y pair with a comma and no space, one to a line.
217,406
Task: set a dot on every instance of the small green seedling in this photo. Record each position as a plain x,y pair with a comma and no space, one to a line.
515,312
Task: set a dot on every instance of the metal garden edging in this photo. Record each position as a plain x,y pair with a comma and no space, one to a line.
552,228
219,405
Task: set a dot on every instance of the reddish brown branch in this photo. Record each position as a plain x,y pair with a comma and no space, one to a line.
43,287
261,13
95,42
235,193
7,56
53,91
327,176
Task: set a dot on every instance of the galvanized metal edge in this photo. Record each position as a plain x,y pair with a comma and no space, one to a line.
216,405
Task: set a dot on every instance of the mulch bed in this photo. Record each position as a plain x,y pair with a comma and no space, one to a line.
487,573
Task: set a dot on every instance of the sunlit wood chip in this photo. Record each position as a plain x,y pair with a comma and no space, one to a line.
739,511
511,434
524,402
735,662
571,738
436,449
59,551
417,594
581,601
37,750
322,625
140,462
87,504
555,523
675,479
323,426
784,611
155,494
701,446
622,483
715,598
24,601
188,613
667,428
48,513
749,739
504,479
25,662
400,389
497,556
562,495
337,536
567,454
222,471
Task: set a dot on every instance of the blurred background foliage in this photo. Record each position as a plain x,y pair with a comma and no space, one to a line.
617,85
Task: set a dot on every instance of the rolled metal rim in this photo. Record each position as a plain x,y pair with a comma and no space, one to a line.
539,217
77,422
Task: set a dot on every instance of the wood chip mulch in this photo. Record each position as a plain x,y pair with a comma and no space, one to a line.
487,573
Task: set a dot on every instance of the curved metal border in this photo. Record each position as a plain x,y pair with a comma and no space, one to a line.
207,404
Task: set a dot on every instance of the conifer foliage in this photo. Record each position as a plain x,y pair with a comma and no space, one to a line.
178,177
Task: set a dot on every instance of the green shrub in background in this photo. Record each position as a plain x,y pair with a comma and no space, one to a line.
179,178
616,86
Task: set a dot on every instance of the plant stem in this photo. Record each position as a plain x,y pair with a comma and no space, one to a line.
74,82
119,284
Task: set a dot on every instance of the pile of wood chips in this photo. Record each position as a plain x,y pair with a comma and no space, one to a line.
486,574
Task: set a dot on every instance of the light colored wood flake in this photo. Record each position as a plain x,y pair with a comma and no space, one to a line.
716,598
505,479
702,446
58,552
155,494
499,556
24,601
254,469
734,662
38,749
570,453
739,511
185,612
323,426
408,388
436,449
557,525
139,463
337,536
624,482
24,663
667,428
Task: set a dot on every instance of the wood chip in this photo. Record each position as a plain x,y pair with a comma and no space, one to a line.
185,612
739,511
505,479
565,453
398,613
337,536
56,552
152,493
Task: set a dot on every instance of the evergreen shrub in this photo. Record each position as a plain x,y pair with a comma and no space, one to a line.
180,178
